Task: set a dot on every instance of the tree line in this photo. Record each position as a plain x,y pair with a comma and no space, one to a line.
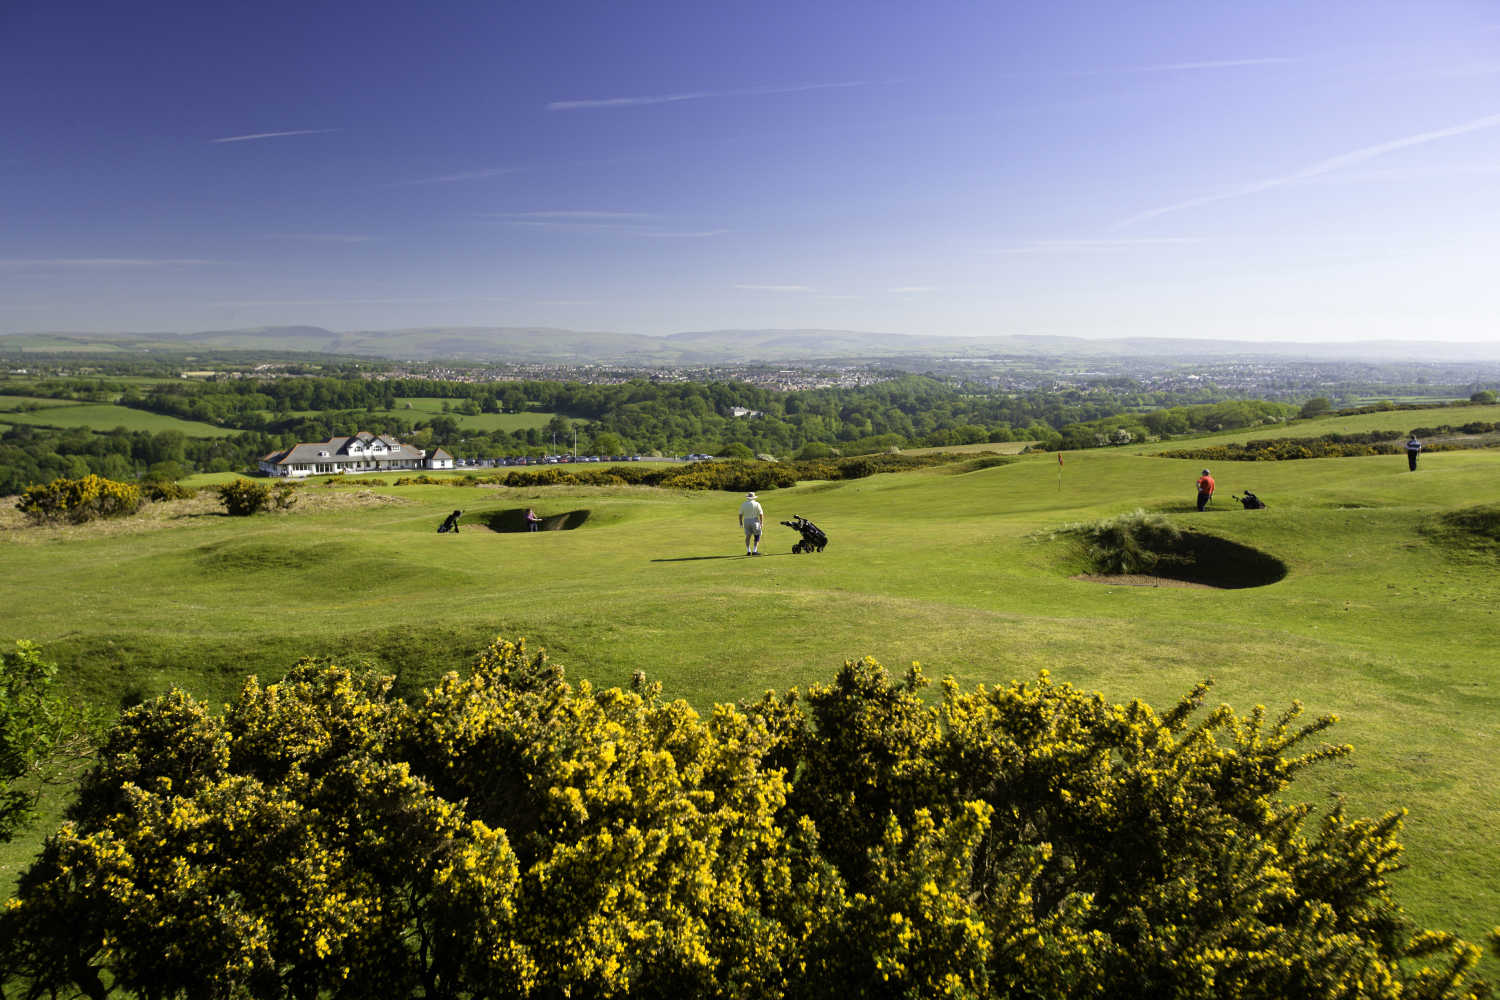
637,417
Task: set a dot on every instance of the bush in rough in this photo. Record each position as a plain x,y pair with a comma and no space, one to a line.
244,497
80,500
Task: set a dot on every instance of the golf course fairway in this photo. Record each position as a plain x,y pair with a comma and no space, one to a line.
1381,618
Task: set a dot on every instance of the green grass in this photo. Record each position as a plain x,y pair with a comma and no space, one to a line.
12,403
1383,619
477,422
423,407
1371,400
1401,421
107,416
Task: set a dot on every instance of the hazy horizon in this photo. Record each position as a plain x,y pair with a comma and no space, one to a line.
1085,169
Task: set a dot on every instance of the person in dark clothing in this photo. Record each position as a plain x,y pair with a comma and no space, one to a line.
451,524
1413,449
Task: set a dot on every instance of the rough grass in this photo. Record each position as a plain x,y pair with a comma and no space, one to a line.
1376,619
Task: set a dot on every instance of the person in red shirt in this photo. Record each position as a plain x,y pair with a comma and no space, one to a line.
1205,489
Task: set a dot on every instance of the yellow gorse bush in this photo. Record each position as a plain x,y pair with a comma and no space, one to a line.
80,500
509,834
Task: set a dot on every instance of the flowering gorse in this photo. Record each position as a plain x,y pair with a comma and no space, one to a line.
509,834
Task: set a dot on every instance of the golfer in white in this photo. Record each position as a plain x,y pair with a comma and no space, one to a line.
751,517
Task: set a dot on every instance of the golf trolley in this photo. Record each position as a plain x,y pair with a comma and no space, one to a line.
813,538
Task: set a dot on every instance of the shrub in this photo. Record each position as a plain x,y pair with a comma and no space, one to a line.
815,450
729,476
80,500
244,497
1285,449
158,490
42,734
510,834
736,449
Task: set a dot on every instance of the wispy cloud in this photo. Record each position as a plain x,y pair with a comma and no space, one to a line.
319,237
462,175
587,221
1317,169
274,135
1213,64
774,288
911,289
662,234
1040,247
95,263
696,95
425,300
578,214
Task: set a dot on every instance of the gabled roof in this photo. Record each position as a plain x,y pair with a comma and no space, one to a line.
310,452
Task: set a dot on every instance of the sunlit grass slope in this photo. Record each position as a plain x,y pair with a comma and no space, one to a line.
1375,621
108,416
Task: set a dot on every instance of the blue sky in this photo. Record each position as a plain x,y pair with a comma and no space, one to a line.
1284,170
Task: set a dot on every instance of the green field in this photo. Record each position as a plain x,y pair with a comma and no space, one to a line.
107,416
423,407
10,404
1376,620
477,422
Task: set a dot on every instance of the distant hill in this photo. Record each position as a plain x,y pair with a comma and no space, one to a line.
545,345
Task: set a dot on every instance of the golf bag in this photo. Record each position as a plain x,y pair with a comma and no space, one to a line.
451,524
813,538
1251,502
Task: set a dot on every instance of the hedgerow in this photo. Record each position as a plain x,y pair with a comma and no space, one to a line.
1332,445
733,475
509,834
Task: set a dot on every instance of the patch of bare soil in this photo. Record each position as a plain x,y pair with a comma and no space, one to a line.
1141,580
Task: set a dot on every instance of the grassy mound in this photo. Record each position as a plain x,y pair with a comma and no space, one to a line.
1472,532
1141,543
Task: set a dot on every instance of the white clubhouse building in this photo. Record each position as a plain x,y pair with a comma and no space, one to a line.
363,452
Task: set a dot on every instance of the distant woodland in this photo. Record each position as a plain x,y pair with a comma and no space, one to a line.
637,417
726,418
